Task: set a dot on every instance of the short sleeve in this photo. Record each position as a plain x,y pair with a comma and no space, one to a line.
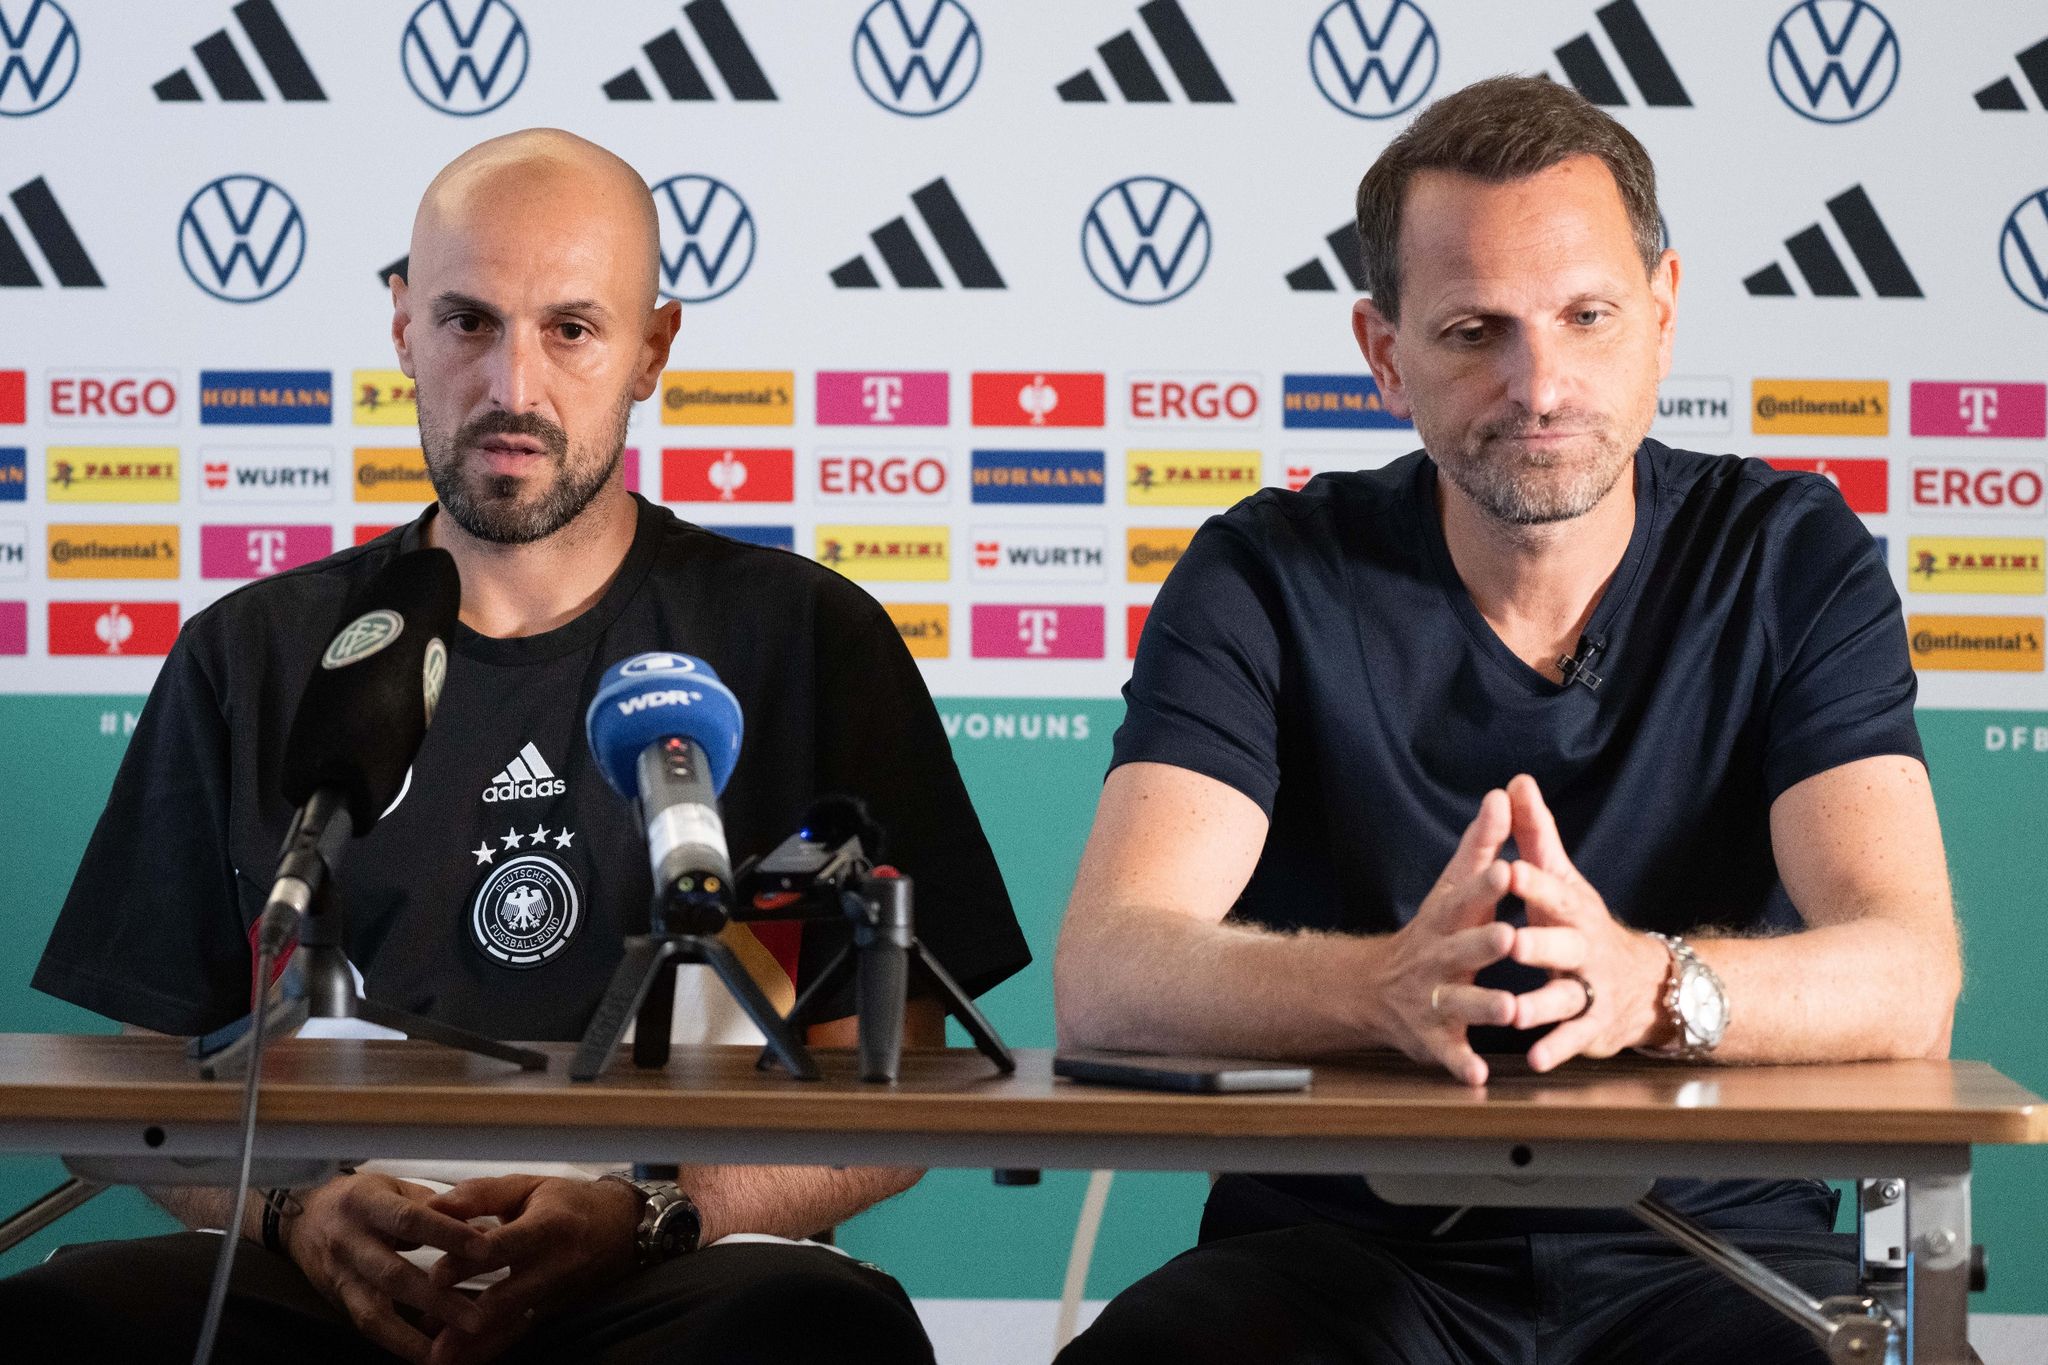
1845,686
1205,687
152,932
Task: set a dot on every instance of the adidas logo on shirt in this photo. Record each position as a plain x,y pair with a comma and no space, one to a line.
525,776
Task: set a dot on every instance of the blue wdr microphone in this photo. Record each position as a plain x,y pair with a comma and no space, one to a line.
666,734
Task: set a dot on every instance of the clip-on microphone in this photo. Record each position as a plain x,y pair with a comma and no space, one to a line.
1576,667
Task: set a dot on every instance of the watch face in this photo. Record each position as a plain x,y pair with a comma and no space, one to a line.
1701,1006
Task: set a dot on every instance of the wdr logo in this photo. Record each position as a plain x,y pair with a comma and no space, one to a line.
1834,61
2023,250
1145,240
38,56
465,65
917,67
1373,58
707,237
241,238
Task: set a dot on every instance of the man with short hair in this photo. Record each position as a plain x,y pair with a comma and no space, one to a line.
1543,727
531,323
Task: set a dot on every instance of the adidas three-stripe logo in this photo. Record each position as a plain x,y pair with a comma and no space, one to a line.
905,258
1639,51
230,76
1821,266
1315,275
2003,96
52,234
525,776
1132,71
678,72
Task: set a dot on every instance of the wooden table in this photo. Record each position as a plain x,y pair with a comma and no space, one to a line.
130,1109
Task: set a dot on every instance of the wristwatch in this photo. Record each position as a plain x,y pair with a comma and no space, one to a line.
1695,1003
670,1225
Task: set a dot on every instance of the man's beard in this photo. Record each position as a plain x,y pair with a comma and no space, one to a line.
1520,488
488,506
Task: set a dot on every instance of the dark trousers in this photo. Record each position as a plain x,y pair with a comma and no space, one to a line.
139,1302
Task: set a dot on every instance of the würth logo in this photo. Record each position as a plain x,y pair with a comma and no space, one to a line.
682,76
38,56
1314,274
905,257
1639,51
2002,95
263,28
526,776
1821,266
1133,73
51,230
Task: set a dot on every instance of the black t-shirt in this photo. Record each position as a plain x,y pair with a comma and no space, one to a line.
496,893
1318,652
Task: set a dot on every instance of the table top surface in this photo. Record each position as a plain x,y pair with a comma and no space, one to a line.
66,1078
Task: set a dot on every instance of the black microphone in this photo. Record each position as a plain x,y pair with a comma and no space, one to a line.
1577,665
360,722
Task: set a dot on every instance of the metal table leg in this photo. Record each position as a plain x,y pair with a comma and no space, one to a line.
18,1227
1938,1269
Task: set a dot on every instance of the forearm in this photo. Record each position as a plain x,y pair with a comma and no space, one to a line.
787,1201
207,1206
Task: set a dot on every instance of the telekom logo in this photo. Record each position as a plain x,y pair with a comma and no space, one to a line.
267,550
882,395
1038,628
1978,408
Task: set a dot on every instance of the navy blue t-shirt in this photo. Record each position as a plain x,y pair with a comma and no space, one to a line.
1318,652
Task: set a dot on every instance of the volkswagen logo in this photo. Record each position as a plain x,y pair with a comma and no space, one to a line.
1834,61
917,57
38,56
1145,240
2023,250
1373,58
707,237
464,57
241,238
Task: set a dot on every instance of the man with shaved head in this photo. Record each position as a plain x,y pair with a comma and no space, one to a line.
495,893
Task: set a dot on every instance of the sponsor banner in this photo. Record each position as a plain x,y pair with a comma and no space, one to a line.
1040,554
728,398
13,549
877,476
1220,401
1980,409
1691,405
708,475
392,474
1337,400
266,398
13,397
1037,631
1820,407
1994,487
129,398
1864,484
1151,552
113,628
366,534
926,628
267,474
1037,476
1037,399
13,474
1292,469
259,551
774,537
1976,644
895,554
111,474
100,551
384,398
1134,626
2017,739
1987,564
13,627
1189,478
903,398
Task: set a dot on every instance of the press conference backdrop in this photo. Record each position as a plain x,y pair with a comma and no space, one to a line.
987,304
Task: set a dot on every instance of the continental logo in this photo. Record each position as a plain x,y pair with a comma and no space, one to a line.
112,473
728,398
385,398
1977,644
925,627
1190,478
896,554
392,474
1150,552
1994,564
113,551
1820,407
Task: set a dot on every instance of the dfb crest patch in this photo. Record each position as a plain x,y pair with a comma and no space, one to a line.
525,911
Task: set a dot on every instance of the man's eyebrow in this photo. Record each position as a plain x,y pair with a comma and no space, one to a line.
450,301
588,307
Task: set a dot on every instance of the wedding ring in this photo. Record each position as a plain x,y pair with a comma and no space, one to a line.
1585,986
1436,998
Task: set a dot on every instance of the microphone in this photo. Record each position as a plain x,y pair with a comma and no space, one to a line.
1576,666
360,723
666,733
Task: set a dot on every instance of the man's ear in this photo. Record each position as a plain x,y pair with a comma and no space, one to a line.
1375,335
401,318
662,325
1664,293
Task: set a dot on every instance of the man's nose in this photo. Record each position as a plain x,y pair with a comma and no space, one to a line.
515,372
1536,373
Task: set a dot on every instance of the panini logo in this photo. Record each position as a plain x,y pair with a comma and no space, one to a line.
1150,553
126,397
392,474
113,551
288,474
1313,275
1132,74
264,30
1984,564
1639,51
679,73
1038,476
1976,644
917,67
2002,96
926,628
1337,400
1190,478
266,397
385,398
896,554
112,474
52,233
906,261
1821,266
1820,407
728,398
1039,554
1692,406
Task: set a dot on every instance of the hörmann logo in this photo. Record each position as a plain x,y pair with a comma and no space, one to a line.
13,474
728,398
266,397
1993,487
1037,476
113,397
1820,407
1337,400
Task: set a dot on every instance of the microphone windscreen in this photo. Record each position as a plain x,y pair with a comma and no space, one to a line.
652,697
367,706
